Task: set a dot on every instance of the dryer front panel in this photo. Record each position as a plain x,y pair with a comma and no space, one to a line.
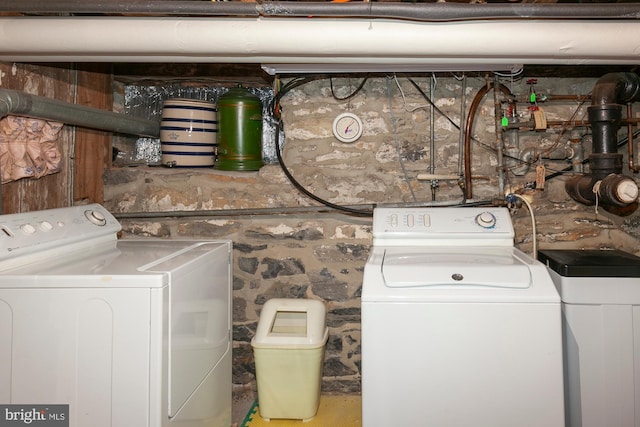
200,321
79,347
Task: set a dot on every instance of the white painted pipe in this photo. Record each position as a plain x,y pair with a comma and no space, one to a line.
328,41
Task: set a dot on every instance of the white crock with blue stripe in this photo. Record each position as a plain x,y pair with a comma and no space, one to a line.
188,133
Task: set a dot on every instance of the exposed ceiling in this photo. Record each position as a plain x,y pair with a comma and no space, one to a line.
394,35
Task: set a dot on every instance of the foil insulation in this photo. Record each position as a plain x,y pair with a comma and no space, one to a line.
146,101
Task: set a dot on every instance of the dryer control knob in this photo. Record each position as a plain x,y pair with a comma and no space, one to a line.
95,217
28,229
46,226
486,220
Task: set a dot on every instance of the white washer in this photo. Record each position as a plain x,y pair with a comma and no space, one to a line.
459,328
127,333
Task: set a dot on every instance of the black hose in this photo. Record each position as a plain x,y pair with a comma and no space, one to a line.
275,107
303,190
352,94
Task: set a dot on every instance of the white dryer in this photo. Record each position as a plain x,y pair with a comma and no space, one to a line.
459,328
124,332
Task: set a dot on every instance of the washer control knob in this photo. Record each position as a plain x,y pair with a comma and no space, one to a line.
95,217
486,220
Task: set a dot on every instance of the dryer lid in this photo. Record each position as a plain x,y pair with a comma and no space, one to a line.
463,268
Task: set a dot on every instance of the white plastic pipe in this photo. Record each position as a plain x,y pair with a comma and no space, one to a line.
328,41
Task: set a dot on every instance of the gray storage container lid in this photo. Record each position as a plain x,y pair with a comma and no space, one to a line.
591,262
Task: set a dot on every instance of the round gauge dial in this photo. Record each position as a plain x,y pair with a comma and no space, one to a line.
347,127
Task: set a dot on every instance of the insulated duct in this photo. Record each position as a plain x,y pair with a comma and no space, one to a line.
605,183
24,104
461,44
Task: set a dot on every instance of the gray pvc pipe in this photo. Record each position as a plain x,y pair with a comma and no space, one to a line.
282,9
24,104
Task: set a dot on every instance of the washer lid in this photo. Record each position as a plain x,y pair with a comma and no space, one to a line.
460,269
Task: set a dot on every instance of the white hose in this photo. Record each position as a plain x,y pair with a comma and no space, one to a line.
533,225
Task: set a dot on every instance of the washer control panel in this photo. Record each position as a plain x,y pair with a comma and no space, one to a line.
443,225
486,219
29,232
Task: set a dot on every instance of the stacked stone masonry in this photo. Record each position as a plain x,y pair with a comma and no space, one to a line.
298,254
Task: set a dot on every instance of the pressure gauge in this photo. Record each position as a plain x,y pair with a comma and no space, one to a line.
347,127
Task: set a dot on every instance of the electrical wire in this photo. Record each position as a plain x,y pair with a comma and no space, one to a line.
625,140
404,99
515,74
397,143
351,95
296,82
454,124
302,189
280,128
432,104
290,85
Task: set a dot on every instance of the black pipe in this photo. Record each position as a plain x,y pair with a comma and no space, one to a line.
370,10
616,88
605,114
605,184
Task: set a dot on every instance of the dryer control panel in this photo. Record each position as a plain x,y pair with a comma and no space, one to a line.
443,226
25,235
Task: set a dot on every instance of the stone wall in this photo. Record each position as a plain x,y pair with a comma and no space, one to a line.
285,247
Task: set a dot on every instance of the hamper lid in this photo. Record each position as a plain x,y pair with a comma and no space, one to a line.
291,323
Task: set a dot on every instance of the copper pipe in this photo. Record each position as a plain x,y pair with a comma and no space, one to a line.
566,123
578,98
468,190
632,167
524,99
530,125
